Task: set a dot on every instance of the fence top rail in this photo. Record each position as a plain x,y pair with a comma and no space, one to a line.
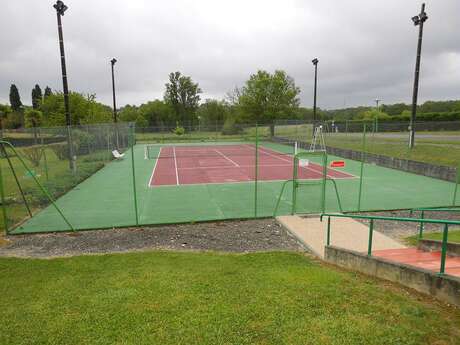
440,209
397,219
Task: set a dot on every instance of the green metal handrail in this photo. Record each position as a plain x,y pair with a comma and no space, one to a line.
43,189
432,209
446,224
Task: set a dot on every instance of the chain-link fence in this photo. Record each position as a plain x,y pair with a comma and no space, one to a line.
161,175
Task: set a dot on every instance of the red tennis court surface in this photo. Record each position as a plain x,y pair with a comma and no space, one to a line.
428,260
178,165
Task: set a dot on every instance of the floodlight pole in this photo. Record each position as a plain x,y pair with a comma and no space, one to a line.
418,20
315,63
115,118
60,9
112,62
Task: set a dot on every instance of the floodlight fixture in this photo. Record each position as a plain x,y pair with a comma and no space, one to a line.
113,61
60,7
416,20
315,61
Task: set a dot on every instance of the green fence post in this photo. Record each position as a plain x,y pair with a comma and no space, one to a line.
371,231
457,182
323,187
2,196
444,249
422,225
294,185
44,159
363,157
328,241
256,172
134,183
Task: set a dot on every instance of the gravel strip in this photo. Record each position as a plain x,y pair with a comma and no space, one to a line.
401,230
228,236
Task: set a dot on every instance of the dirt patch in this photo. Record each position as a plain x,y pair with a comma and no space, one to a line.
228,236
401,230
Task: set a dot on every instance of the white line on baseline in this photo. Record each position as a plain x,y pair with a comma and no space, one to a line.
175,165
290,161
154,167
231,161
328,169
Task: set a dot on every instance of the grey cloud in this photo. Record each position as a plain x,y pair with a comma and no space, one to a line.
366,48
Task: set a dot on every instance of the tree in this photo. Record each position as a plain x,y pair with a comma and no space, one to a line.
33,119
85,110
4,111
183,95
36,96
158,114
48,91
15,99
212,113
266,97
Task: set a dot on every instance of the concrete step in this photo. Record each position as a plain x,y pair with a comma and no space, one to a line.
345,233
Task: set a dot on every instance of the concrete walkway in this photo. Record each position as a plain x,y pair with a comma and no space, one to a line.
345,233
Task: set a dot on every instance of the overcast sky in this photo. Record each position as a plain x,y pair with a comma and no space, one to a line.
366,48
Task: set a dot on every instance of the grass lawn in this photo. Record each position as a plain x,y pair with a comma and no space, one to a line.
454,236
206,298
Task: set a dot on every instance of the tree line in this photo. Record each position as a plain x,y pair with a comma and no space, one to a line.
264,98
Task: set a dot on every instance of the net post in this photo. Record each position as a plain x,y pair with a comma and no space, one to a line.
256,172
134,180
363,156
328,240
2,198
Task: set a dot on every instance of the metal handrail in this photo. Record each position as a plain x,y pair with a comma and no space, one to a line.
432,209
446,224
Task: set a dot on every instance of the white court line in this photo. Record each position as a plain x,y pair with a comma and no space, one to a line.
154,167
234,163
290,161
175,165
328,169
240,166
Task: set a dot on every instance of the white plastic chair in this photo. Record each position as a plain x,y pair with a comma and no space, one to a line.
117,155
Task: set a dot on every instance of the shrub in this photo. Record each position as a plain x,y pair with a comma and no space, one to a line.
230,127
179,130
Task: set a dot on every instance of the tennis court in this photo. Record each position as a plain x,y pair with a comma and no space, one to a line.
200,176
183,165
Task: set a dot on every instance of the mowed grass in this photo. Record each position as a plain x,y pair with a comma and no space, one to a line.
206,298
453,236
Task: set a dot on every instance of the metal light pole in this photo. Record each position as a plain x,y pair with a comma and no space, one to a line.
315,63
377,101
418,20
112,62
60,9
115,118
